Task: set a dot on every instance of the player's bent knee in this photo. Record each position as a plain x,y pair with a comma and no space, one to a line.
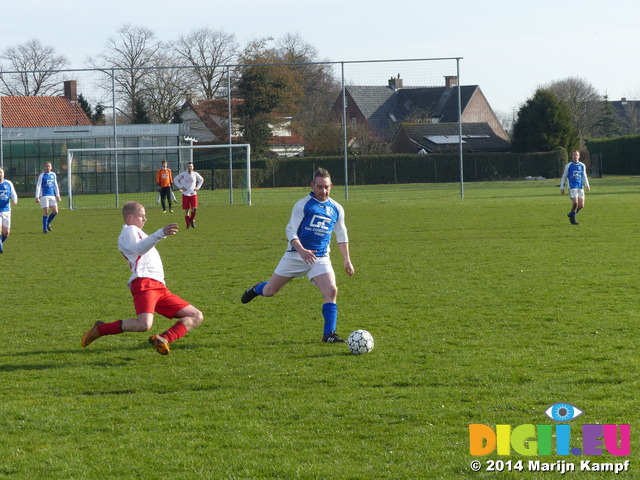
198,317
143,324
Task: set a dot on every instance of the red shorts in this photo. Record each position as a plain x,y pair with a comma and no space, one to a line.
151,296
189,201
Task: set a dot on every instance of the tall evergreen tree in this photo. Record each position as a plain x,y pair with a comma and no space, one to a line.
607,124
544,124
140,113
98,117
85,106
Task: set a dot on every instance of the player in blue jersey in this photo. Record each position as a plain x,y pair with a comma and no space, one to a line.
48,196
313,219
576,173
7,195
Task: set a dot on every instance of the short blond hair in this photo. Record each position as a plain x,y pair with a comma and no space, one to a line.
131,208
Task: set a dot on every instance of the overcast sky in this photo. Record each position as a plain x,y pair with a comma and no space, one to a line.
507,47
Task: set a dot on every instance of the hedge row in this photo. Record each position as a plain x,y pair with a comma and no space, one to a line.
390,169
616,156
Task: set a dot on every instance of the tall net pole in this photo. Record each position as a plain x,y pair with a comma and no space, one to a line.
344,137
460,129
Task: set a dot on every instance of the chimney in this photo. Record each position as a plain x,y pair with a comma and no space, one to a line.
450,81
395,83
71,90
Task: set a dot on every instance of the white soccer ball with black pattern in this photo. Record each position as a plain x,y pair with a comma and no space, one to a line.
360,342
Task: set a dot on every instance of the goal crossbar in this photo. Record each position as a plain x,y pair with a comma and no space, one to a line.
247,146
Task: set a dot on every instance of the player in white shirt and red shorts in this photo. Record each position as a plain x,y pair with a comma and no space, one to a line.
189,182
150,293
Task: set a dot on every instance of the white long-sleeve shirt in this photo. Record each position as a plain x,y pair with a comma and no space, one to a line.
191,182
140,251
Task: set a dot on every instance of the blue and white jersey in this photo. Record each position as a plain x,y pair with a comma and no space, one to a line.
47,185
577,175
7,194
313,221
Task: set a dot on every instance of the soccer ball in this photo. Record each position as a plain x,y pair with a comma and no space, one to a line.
360,342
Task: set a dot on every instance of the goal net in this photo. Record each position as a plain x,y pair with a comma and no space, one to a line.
109,177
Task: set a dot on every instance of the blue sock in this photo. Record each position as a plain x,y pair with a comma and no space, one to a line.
45,222
51,217
260,287
4,239
330,314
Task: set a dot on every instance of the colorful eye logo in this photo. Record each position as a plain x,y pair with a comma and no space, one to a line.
563,412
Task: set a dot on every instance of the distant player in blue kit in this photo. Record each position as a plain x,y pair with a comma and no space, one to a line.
313,219
48,196
576,172
7,195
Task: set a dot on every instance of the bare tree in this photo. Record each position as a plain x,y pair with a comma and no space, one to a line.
36,66
126,58
318,82
583,102
208,52
165,88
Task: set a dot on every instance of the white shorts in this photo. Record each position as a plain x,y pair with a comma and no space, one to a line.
293,266
48,201
5,219
576,193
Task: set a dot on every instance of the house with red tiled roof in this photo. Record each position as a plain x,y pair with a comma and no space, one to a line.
43,111
208,122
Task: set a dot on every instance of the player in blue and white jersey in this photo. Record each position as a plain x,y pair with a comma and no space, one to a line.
576,173
7,195
309,230
48,196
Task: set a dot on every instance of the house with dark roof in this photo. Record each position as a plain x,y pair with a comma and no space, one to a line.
627,116
445,137
209,124
42,111
384,109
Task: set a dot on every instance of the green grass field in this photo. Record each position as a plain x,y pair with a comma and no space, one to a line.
486,309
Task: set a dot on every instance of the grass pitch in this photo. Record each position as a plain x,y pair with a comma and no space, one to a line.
486,309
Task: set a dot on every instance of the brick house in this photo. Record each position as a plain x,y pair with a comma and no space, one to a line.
39,129
384,109
208,122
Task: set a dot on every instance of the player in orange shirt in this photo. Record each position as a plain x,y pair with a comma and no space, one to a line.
164,179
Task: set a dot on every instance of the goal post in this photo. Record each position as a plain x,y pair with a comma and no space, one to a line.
119,169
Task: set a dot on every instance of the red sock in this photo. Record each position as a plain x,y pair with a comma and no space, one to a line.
187,219
113,328
175,332
193,215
